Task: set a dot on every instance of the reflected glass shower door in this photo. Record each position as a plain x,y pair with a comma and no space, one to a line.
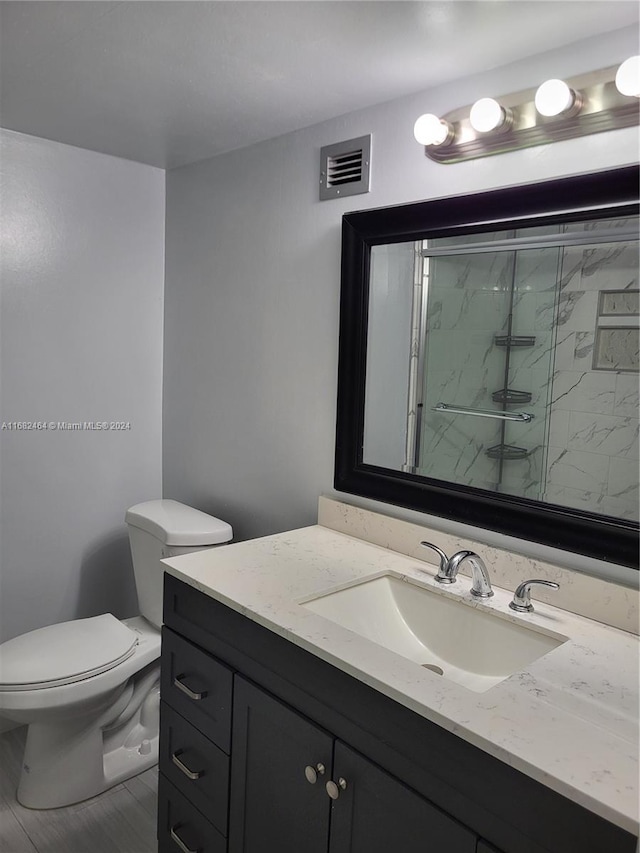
509,362
487,349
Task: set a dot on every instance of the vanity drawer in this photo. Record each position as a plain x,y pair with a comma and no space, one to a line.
195,765
198,687
181,827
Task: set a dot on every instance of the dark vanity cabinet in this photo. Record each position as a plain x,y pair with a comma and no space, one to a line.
279,800
377,813
264,748
273,806
195,740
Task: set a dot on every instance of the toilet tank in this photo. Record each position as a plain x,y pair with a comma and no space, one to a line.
161,529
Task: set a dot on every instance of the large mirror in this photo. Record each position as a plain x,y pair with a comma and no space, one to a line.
489,361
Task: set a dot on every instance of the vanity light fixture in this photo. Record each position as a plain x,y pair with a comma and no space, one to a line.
487,115
628,77
431,130
554,98
554,111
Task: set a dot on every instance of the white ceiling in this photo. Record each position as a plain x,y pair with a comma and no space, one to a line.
168,83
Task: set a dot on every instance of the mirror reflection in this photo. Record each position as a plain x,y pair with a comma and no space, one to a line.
508,361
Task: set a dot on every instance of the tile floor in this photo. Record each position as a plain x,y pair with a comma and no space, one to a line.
122,820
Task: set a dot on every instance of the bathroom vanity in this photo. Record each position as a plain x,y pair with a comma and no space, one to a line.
283,730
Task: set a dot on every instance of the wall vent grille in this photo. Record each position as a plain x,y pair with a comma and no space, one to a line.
345,168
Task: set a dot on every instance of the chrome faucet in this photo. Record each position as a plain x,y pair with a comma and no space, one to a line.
448,571
522,596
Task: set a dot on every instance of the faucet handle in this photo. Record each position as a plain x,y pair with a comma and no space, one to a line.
443,575
522,596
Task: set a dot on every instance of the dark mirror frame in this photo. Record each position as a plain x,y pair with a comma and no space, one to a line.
594,196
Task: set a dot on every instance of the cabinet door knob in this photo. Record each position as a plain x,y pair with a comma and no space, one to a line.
177,682
311,773
190,774
179,841
333,788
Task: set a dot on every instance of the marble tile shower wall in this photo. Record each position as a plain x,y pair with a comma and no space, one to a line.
468,305
583,440
593,436
530,367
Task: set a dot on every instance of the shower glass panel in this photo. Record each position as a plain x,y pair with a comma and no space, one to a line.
488,349
508,361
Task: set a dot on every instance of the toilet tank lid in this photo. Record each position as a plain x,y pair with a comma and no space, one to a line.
174,523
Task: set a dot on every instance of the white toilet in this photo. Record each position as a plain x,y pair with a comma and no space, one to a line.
89,689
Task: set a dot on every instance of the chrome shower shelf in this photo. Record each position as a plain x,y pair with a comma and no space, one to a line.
514,340
507,451
510,397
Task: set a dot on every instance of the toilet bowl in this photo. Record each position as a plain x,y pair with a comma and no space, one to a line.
89,689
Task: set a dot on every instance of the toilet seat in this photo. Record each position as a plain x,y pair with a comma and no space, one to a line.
64,653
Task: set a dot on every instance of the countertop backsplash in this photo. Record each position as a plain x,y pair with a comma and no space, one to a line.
606,602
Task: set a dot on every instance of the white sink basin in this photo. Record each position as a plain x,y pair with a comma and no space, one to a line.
472,646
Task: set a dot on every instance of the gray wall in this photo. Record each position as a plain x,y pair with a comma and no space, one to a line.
82,303
252,288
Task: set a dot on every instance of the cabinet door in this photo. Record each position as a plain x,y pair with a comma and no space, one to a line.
375,813
273,805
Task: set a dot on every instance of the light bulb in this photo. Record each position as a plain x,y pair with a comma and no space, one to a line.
486,114
431,130
628,77
554,97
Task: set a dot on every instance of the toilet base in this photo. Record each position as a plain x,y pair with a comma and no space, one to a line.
36,792
66,761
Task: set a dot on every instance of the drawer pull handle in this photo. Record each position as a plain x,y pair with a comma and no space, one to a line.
177,682
333,788
190,774
311,773
180,842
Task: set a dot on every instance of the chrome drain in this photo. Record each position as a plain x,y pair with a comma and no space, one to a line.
431,666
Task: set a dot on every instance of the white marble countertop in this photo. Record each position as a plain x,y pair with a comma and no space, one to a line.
569,720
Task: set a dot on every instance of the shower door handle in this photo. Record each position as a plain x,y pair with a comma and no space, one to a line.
523,417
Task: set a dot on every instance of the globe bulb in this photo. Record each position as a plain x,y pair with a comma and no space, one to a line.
486,114
554,97
431,130
628,77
